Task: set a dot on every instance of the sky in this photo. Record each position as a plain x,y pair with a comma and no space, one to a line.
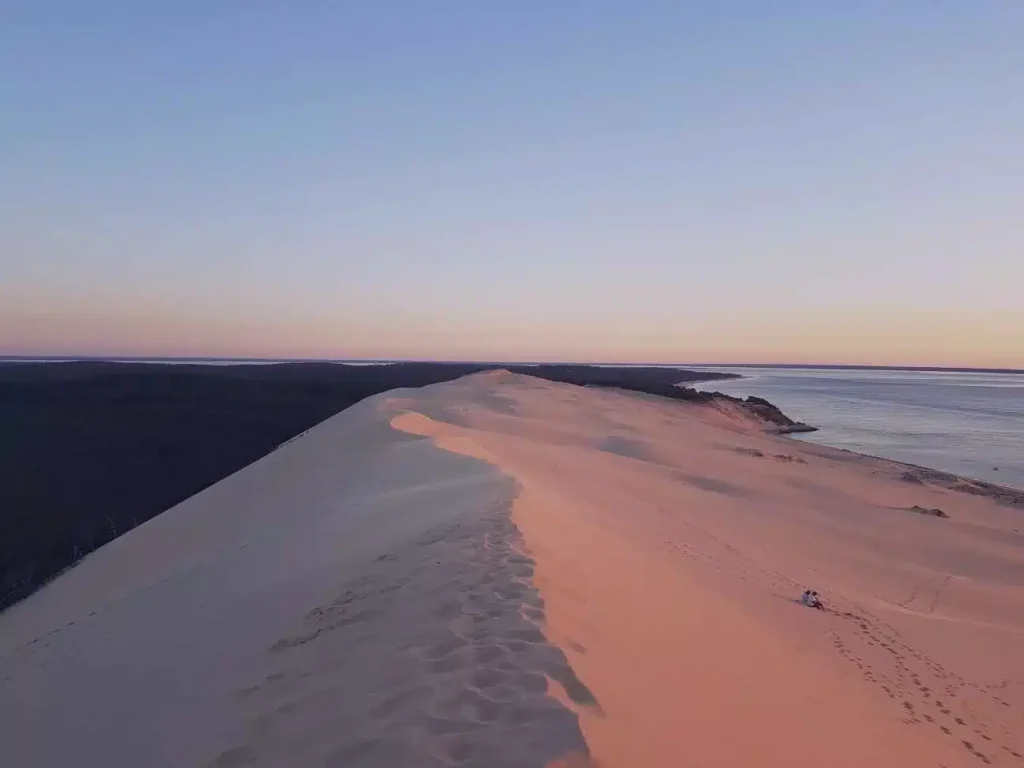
721,181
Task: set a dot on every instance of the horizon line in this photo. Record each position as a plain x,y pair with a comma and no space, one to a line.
242,360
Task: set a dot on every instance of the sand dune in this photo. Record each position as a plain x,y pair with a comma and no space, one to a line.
503,571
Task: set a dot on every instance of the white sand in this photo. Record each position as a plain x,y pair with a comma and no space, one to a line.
556,572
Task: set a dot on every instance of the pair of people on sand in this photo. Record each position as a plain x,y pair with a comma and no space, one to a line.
811,599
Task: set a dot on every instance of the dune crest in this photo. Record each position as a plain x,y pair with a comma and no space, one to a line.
505,572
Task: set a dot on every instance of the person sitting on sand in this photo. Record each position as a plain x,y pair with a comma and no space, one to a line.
811,600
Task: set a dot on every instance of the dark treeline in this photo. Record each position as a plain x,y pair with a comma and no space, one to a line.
89,450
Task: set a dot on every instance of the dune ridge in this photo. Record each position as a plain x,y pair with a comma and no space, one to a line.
507,571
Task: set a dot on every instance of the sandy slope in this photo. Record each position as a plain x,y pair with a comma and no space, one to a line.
554,573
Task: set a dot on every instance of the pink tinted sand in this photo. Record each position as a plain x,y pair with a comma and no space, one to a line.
672,541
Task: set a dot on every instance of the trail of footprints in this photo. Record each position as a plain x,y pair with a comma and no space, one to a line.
442,664
929,694
977,718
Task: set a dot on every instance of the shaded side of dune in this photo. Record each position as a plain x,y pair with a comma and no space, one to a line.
434,658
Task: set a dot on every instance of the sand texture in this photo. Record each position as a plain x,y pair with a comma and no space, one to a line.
504,571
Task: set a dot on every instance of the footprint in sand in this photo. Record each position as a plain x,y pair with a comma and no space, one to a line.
532,682
486,678
445,648
400,699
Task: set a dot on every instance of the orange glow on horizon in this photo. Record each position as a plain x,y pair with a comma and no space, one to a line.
948,339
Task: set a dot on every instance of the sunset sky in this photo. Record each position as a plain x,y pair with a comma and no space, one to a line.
597,181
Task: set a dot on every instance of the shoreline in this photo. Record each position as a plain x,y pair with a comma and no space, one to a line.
950,475
783,425
944,473
1007,495
926,473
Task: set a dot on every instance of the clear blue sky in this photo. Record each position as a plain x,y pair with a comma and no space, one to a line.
720,181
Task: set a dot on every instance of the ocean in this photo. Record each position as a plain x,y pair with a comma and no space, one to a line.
971,424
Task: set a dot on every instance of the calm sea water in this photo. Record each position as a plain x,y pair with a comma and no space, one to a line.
968,423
